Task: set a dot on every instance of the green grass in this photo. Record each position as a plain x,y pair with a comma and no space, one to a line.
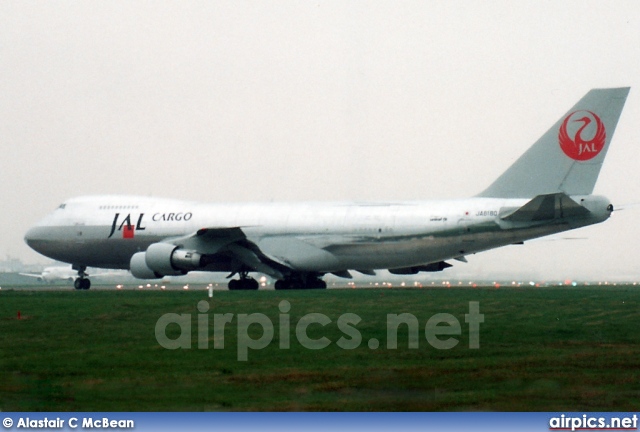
567,349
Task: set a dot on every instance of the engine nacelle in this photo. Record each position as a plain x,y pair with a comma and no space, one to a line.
167,259
139,268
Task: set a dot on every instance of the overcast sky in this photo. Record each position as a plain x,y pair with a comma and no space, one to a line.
294,100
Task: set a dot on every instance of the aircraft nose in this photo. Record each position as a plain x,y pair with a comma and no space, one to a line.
30,236
34,238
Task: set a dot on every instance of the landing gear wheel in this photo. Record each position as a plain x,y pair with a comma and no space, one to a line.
233,284
82,284
244,283
316,284
295,281
282,284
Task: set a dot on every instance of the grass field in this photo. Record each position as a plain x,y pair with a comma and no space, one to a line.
549,349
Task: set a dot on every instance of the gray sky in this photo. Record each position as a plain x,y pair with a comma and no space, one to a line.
290,100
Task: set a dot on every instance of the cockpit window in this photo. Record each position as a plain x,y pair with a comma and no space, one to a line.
62,206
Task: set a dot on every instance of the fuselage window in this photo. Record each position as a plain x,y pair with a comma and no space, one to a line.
111,207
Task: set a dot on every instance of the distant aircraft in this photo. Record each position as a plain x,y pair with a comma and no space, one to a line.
546,191
58,273
53,274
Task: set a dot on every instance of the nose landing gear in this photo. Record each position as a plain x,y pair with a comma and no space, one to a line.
82,282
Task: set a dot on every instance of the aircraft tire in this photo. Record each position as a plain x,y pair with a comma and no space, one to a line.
321,284
244,284
282,285
251,284
315,284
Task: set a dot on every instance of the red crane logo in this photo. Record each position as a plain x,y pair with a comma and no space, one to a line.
571,139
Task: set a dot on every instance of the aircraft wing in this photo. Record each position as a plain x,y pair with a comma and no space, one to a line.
39,275
233,244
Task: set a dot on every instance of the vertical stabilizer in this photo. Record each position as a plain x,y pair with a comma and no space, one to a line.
568,157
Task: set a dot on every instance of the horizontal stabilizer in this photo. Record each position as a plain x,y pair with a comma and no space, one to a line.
545,208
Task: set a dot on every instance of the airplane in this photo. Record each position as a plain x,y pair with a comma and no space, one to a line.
58,273
546,191
52,274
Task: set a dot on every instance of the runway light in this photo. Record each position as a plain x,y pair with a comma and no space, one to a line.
140,286
163,287
186,287
118,286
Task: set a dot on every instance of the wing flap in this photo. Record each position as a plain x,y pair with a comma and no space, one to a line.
251,259
295,253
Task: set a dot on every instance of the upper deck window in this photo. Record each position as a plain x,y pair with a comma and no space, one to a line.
62,206
118,207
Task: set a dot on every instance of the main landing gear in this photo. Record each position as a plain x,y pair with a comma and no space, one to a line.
82,282
292,281
301,281
244,283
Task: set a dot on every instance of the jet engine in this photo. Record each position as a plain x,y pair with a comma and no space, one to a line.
139,268
164,259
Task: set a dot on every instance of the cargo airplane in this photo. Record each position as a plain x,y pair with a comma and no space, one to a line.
546,191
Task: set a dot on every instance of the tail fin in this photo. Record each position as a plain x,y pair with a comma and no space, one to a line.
568,157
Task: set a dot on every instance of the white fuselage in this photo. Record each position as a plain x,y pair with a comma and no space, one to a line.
105,231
